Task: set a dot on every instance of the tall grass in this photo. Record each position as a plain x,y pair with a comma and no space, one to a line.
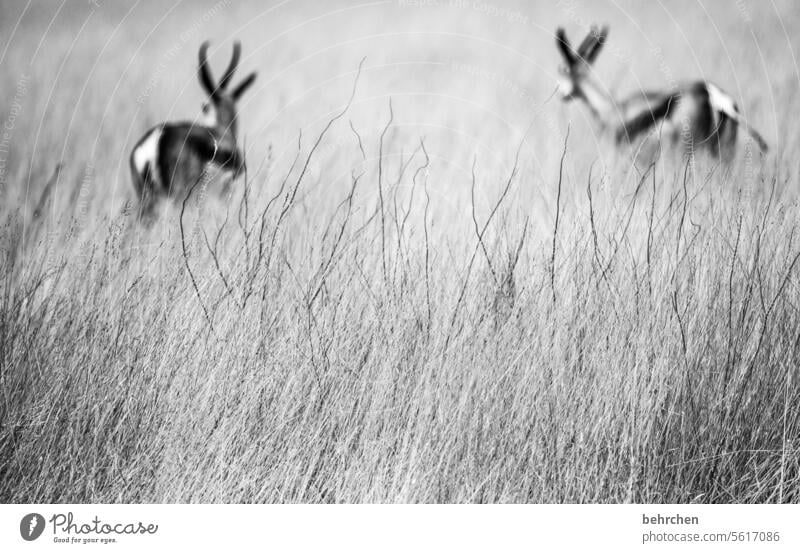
647,353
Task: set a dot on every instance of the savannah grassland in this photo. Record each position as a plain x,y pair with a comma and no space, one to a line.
448,290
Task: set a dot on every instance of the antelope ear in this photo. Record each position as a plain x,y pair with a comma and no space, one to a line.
600,36
204,72
243,86
563,45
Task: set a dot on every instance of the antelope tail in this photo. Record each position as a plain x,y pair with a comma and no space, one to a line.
722,102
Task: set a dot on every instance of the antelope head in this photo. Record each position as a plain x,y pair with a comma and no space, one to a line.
219,111
577,64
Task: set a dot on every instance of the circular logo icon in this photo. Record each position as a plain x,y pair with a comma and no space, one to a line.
31,526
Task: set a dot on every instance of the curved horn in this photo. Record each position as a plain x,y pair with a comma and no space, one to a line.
226,77
204,72
600,36
588,42
242,86
563,44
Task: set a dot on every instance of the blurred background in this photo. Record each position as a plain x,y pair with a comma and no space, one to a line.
82,81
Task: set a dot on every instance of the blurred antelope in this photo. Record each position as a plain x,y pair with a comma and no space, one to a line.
171,157
699,113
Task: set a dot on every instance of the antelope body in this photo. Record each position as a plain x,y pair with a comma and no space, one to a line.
699,114
171,157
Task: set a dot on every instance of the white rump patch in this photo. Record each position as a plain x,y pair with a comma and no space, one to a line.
147,153
721,101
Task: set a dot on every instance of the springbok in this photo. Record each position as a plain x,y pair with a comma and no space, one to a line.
699,113
171,157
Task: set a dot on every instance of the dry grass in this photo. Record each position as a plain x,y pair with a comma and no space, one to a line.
414,303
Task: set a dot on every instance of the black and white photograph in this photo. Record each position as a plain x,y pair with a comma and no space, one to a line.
399,252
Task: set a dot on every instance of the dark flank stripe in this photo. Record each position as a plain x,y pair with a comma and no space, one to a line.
645,120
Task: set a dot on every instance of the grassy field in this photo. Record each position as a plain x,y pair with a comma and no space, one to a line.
448,289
